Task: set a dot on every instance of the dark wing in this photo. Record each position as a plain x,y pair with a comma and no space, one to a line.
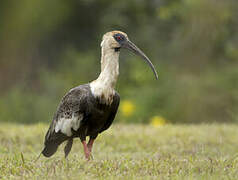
114,105
70,112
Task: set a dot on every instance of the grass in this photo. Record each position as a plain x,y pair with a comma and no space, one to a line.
125,152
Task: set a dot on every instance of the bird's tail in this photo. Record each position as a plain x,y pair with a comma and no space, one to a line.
52,142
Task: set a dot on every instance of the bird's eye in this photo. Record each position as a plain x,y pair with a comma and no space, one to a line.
119,37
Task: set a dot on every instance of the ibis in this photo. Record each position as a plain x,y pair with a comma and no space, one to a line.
89,109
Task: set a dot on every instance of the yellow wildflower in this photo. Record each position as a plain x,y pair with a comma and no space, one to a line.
127,108
157,121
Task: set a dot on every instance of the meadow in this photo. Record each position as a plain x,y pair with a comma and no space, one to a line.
125,152
182,126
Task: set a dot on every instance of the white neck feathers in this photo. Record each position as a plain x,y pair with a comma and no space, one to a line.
103,86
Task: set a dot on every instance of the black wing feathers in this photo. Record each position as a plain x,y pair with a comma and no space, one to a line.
51,144
73,102
96,118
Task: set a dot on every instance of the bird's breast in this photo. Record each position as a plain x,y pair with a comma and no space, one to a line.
104,94
99,115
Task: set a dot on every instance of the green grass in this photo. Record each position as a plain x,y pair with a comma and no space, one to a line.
125,152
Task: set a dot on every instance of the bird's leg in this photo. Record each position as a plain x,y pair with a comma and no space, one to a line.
91,141
90,144
86,151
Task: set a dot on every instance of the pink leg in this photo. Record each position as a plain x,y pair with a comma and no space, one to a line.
86,150
90,145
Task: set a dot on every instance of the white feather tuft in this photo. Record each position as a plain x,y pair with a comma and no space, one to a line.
64,125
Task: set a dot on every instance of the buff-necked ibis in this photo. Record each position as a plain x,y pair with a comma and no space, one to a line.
90,109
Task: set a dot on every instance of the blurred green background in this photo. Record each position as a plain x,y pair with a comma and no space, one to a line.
48,47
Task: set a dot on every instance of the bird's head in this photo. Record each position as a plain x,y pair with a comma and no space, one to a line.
116,40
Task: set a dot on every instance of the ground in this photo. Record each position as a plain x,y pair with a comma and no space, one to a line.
125,152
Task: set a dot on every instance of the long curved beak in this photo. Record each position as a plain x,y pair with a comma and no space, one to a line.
131,46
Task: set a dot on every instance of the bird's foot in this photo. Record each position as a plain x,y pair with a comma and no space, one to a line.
87,155
86,150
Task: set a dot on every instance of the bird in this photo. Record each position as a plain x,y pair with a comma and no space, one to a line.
89,109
